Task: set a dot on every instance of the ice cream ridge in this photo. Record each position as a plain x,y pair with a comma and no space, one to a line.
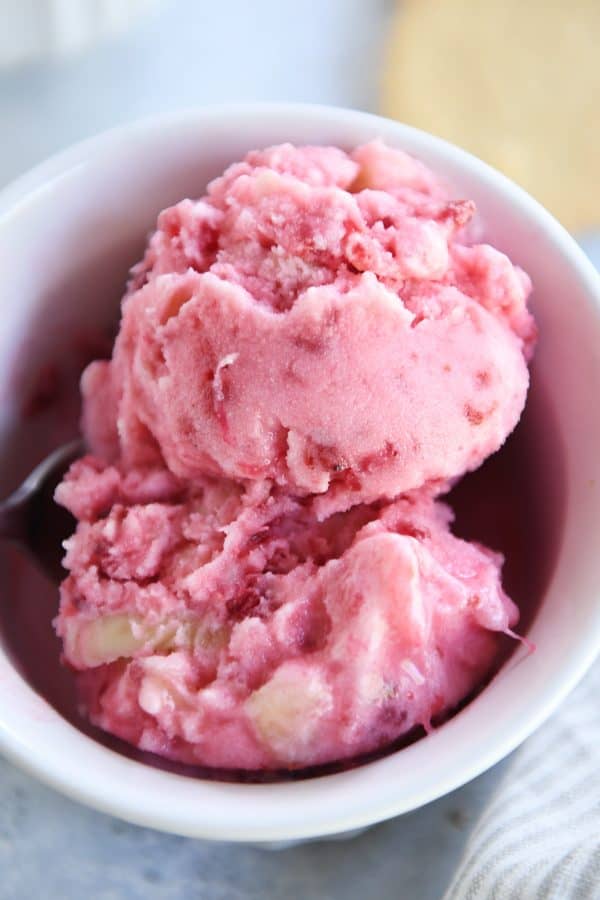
262,576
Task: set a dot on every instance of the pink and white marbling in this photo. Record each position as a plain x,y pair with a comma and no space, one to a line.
232,628
261,577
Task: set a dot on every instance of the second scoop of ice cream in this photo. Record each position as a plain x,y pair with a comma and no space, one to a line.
318,319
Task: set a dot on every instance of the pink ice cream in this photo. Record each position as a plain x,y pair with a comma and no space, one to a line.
261,577
318,321
231,628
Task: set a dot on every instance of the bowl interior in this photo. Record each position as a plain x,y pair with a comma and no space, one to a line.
65,249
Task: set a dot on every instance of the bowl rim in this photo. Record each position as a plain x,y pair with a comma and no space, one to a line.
290,810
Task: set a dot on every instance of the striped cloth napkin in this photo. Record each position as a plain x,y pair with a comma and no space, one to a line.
539,837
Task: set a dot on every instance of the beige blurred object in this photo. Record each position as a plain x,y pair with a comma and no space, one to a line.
517,82
43,29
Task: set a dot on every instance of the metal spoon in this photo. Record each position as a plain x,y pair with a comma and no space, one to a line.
32,519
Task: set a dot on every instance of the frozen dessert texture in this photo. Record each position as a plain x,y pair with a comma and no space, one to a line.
261,576
231,627
317,320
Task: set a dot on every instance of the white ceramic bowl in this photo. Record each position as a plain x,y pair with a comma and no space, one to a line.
68,231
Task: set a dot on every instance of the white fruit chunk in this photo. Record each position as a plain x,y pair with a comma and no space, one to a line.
93,643
288,710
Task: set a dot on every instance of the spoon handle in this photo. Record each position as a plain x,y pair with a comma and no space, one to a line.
20,511
13,515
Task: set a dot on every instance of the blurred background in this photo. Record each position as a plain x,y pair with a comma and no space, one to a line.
87,65
517,83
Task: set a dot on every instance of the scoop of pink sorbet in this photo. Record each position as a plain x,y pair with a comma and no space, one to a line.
261,577
230,627
321,320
